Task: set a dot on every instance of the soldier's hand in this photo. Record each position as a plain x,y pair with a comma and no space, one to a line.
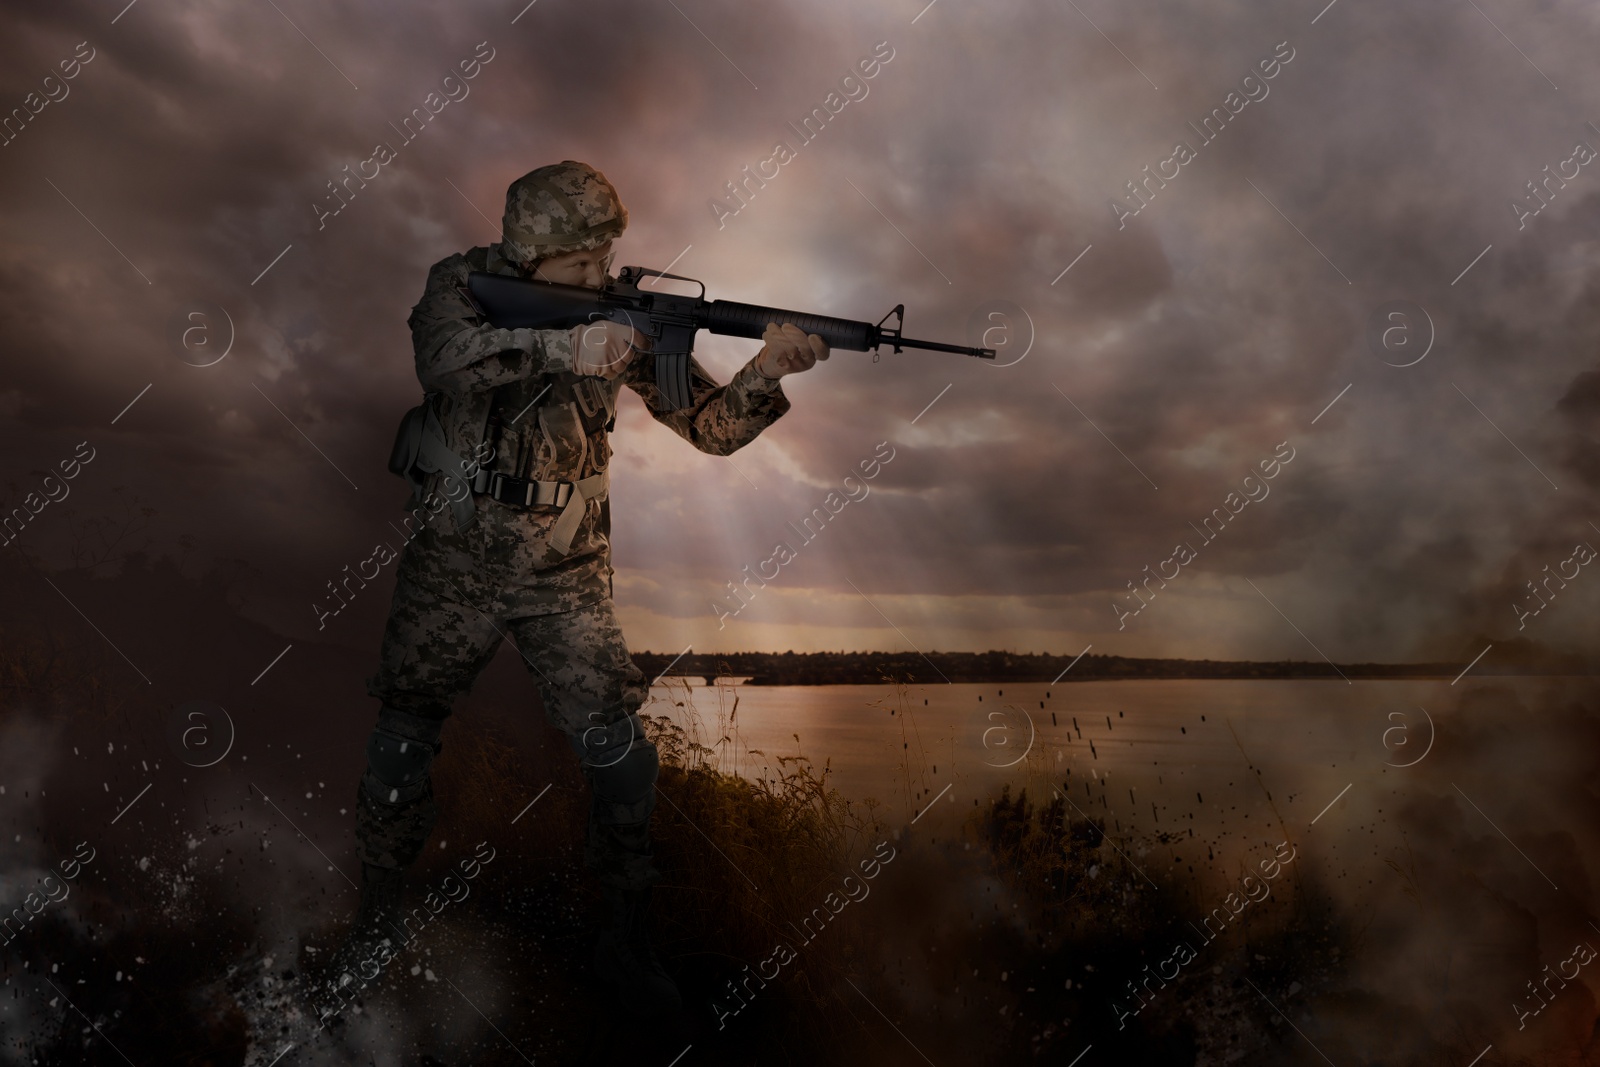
604,349
788,350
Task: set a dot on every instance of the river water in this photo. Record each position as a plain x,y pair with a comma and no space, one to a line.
1157,757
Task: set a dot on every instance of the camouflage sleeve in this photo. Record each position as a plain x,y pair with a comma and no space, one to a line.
721,419
456,353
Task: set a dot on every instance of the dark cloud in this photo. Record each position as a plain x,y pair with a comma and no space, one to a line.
982,160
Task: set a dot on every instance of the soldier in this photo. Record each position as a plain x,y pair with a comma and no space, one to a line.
513,433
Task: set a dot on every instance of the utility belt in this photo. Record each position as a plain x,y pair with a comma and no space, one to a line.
571,497
521,492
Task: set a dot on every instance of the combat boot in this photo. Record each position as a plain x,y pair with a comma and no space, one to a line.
373,933
624,959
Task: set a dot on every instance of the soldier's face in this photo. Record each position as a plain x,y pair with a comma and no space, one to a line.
587,269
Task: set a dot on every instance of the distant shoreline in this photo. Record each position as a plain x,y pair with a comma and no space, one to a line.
872,668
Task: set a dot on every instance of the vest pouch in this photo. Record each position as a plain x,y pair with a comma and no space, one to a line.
408,447
596,402
420,450
562,428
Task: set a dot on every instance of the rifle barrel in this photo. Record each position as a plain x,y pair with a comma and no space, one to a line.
939,346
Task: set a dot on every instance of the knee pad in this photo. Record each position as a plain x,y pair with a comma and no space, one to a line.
598,746
624,790
399,754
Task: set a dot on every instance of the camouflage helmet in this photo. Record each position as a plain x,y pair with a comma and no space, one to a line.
565,207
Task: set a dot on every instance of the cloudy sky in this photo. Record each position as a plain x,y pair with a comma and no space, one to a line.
181,167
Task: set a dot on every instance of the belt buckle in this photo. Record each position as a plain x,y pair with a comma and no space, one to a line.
496,482
563,494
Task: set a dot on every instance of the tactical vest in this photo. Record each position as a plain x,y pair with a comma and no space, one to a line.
544,446
552,427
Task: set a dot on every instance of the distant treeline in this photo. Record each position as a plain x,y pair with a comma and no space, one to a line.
865,668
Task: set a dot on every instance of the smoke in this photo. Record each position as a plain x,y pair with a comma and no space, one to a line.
1476,879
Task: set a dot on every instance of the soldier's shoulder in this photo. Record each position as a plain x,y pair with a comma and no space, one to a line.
454,268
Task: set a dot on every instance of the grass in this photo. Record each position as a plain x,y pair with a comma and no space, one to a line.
741,859
1070,915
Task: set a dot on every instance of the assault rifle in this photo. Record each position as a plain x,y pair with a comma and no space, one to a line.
670,320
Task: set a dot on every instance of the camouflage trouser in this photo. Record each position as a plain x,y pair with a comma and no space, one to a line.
454,602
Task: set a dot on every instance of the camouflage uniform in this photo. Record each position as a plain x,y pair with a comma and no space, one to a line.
478,570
